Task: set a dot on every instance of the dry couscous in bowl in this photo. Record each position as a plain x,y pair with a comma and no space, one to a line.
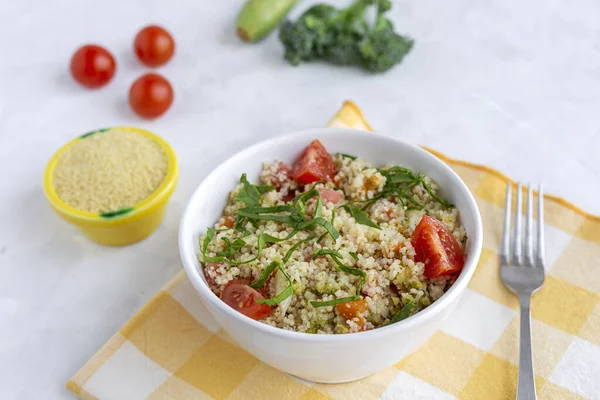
112,183
333,253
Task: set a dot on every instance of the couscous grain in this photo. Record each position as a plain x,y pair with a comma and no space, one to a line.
109,171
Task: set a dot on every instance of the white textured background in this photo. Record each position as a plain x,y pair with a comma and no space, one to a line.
508,83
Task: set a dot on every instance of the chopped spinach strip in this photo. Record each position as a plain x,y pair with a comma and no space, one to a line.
319,208
336,256
403,313
311,224
347,156
333,302
295,247
263,239
265,275
399,183
250,194
231,247
361,217
285,293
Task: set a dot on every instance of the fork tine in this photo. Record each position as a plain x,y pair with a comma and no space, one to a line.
529,228
505,249
540,253
517,243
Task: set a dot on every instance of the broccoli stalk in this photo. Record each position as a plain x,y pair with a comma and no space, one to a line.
343,37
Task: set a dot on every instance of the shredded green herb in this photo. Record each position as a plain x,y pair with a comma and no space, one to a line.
333,302
210,234
231,247
400,182
289,253
250,194
265,275
353,255
285,293
263,239
403,313
336,256
319,208
347,156
360,216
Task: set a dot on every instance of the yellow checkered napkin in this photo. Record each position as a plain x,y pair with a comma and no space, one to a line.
172,349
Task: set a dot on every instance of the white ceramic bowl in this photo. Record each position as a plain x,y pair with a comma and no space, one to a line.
327,358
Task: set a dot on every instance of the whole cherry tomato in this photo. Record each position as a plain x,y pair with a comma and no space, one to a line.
92,66
154,46
150,96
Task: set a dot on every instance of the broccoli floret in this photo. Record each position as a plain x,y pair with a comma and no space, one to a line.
345,51
383,48
343,37
305,39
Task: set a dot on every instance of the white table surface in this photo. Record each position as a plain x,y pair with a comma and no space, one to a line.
511,84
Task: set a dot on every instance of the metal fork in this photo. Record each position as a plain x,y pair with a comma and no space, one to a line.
522,271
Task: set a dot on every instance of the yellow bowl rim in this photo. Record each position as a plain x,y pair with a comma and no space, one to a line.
145,207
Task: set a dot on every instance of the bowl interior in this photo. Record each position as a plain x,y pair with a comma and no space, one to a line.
209,199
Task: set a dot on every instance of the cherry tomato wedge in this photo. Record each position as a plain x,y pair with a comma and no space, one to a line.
92,66
241,297
313,165
154,46
437,248
150,96
330,195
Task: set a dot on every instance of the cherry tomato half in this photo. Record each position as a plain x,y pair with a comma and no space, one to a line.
437,248
92,66
241,297
314,164
154,46
150,96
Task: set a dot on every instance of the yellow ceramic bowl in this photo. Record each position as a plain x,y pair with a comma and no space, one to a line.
122,227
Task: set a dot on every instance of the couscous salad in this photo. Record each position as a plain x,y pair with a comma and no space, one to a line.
332,244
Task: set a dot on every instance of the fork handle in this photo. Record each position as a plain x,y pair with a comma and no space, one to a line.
526,385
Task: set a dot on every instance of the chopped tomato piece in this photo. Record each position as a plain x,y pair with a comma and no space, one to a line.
373,182
313,165
228,221
352,309
330,196
277,174
241,297
392,250
437,248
